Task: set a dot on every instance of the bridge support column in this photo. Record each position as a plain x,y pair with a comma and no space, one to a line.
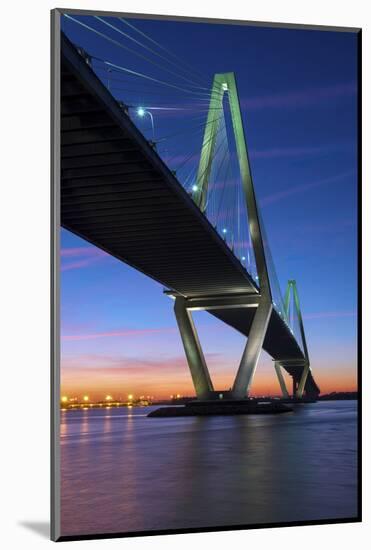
251,354
192,347
303,379
281,379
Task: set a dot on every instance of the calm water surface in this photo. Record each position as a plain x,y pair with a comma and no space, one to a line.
122,471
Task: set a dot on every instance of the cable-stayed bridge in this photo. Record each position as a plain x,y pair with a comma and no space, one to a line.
189,221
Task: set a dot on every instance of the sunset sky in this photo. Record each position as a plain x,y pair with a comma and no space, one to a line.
298,98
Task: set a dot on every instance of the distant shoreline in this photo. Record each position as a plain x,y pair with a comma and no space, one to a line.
339,396
334,396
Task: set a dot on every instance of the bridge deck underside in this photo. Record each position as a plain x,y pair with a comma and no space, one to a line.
279,342
118,194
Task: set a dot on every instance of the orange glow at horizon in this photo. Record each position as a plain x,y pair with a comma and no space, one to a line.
100,383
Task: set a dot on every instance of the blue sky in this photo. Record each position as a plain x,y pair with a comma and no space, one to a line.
298,95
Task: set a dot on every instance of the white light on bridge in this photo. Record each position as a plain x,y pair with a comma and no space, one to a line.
140,111
224,230
243,258
194,188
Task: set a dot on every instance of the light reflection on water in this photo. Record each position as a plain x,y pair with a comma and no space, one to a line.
122,471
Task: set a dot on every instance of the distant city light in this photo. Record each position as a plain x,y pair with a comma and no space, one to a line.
140,111
86,398
64,399
108,397
130,397
178,395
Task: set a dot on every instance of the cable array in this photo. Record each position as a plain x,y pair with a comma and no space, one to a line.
169,101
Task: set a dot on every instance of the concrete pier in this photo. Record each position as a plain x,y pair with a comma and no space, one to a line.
227,407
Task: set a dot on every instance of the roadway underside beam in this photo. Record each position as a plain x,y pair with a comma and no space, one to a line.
299,370
261,317
195,358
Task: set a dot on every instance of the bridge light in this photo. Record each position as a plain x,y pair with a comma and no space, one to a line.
130,397
243,258
141,112
194,188
224,230
256,277
108,397
86,398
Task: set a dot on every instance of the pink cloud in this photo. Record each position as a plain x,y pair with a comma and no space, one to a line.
123,365
112,366
330,314
80,251
83,256
302,188
290,99
274,152
77,265
328,227
117,333
279,152
300,98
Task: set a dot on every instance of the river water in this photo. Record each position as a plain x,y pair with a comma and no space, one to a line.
124,472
